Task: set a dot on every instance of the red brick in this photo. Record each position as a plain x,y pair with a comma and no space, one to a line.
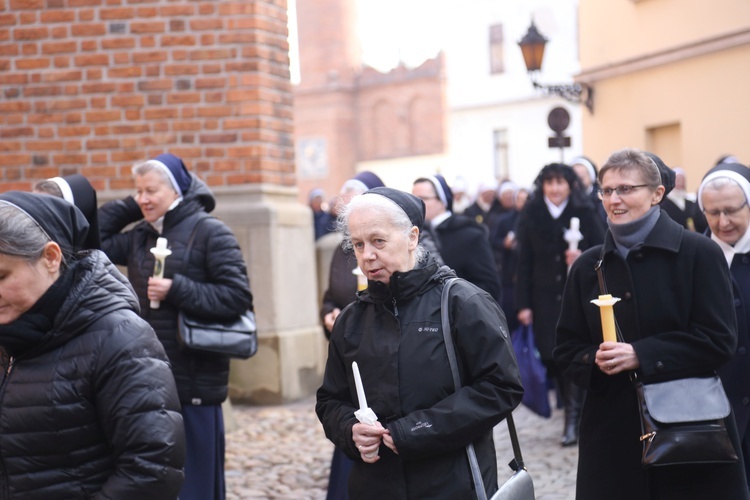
61,76
216,24
44,145
89,45
102,144
147,12
74,131
128,72
94,74
123,101
73,145
177,10
60,32
142,128
180,69
121,58
133,114
147,85
92,60
117,13
26,4
206,9
210,83
149,57
57,16
98,102
98,171
89,29
118,43
84,3
216,111
97,88
10,146
59,47
173,40
9,50
69,159
60,105
31,33
61,61
8,20
86,15
161,113
218,138
147,27
128,156
103,116
212,54
187,126
15,160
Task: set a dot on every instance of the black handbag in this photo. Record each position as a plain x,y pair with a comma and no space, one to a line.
682,421
519,486
236,338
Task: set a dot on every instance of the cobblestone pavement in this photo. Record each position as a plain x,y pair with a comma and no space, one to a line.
280,452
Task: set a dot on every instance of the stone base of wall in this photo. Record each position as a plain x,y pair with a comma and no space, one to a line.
276,235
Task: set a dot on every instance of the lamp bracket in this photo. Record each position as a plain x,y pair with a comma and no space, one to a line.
579,93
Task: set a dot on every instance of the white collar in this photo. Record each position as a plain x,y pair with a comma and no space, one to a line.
438,219
741,247
554,210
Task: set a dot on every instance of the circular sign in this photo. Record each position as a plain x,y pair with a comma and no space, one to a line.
558,119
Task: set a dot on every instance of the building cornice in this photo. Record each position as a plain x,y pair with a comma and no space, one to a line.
660,58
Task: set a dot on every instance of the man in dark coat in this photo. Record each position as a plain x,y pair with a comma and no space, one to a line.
723,196
462,243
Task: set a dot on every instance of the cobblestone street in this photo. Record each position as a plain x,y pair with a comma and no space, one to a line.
280,452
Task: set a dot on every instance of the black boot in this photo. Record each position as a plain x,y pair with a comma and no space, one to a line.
573,396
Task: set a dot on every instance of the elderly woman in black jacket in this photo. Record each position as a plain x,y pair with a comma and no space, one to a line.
211,283
676,318
393,331
88,407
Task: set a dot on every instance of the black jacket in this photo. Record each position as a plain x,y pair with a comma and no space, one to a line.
677,313
93,411
394,334
212,285
464,246
542,270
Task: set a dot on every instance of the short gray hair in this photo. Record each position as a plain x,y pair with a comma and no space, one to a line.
153,166
631,159
395,214
20,235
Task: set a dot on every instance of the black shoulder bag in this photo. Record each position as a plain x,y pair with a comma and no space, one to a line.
519,486
682,421
236,338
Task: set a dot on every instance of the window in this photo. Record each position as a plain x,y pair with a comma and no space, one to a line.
500,142
497,63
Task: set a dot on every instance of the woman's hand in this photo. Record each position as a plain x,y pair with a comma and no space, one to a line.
525,317
616,357
158,288
571,256
368,439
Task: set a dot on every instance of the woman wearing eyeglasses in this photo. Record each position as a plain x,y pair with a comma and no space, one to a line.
723,197
543,260
676,319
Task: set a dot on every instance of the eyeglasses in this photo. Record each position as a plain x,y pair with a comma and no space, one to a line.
728,212
623,190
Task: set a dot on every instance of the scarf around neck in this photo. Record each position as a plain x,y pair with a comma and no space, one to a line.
29,329
632,233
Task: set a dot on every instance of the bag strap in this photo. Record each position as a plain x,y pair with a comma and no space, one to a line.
189,246
476,475
603,289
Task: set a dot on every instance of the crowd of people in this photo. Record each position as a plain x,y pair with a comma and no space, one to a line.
100,398
679,262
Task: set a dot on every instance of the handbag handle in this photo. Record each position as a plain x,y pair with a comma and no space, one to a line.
452,362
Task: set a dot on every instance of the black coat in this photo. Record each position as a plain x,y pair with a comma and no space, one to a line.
464,246
212,285
691,218
395,336
542,270
342,284
677,313
93,411
735,375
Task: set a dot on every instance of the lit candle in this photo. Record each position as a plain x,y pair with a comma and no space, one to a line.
605,303
161,252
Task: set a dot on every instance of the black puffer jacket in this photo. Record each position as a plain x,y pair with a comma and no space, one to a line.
394,333
212,285
92,412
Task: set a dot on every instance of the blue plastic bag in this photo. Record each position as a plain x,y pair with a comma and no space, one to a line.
533,373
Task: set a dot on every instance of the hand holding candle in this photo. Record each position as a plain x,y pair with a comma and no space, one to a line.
161,252
606,303
361,279
365,414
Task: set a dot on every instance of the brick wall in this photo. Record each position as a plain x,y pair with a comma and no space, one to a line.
95,86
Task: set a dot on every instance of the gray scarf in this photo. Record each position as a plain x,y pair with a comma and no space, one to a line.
632,233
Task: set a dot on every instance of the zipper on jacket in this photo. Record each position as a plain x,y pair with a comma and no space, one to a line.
4,483
395,307
11,362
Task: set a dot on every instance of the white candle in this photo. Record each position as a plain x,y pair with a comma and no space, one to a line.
573,235
161,252
360,388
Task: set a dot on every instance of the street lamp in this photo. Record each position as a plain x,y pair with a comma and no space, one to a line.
532,48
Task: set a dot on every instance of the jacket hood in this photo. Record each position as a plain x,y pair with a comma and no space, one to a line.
98,289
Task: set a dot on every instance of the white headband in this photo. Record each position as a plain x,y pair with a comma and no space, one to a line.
729,174
64,188
172,180
438,189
